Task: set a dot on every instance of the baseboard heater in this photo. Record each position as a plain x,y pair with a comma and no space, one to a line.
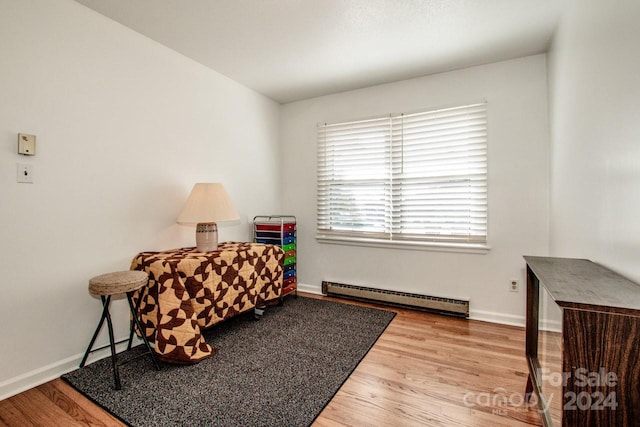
448,306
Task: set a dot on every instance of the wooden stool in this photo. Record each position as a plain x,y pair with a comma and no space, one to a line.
110,284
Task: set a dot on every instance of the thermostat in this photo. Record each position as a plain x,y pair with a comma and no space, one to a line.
26,144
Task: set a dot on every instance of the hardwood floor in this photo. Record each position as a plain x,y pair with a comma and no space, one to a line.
425,370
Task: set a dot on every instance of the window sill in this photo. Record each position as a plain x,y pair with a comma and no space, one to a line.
470,248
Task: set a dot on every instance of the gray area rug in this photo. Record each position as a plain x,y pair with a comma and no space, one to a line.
279,371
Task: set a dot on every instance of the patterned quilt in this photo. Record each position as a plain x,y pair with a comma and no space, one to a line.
190,290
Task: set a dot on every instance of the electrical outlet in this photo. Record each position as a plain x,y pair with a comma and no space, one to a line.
514,285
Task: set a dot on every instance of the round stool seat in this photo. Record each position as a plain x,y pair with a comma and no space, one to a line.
118,283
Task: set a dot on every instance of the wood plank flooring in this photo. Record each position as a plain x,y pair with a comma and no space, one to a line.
425,370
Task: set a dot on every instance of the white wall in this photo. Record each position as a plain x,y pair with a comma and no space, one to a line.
594,75
124,128
516,92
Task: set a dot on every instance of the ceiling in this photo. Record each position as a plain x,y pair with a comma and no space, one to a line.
290,50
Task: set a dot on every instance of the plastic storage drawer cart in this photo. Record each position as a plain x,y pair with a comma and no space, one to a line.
280,230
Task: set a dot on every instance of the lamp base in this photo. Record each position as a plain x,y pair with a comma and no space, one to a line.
207,236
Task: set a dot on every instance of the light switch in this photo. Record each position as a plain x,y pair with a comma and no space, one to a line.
26,144
25,173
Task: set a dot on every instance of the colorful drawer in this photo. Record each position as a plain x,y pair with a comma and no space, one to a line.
280,230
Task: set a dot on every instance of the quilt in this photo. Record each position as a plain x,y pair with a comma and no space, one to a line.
189,291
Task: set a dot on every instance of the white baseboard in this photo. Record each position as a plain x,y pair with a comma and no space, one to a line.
312,289
494,317
485,316
551,325
39,376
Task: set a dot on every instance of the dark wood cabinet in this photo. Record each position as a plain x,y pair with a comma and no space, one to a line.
587,372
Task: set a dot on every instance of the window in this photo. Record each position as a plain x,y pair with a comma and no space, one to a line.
412,178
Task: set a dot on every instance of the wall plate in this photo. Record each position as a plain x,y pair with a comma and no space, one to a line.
25,173
26,144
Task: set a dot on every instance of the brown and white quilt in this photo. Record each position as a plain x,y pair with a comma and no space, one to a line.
189,291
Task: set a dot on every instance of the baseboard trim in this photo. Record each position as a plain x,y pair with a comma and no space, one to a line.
550,325
494,317
485,316
36,377
311,289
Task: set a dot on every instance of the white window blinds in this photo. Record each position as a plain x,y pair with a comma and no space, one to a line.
411,177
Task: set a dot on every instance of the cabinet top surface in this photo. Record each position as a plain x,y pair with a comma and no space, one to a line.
580,283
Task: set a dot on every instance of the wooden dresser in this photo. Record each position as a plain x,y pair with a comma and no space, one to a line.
587,372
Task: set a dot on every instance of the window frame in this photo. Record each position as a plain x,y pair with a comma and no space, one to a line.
454,240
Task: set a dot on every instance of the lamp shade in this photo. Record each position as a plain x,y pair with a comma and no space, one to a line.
208,202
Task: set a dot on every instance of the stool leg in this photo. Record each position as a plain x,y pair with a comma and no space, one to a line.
134,315
112,344
131,327
141,294
132,324
105,309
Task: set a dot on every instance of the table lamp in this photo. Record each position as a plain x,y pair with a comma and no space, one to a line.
207,203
